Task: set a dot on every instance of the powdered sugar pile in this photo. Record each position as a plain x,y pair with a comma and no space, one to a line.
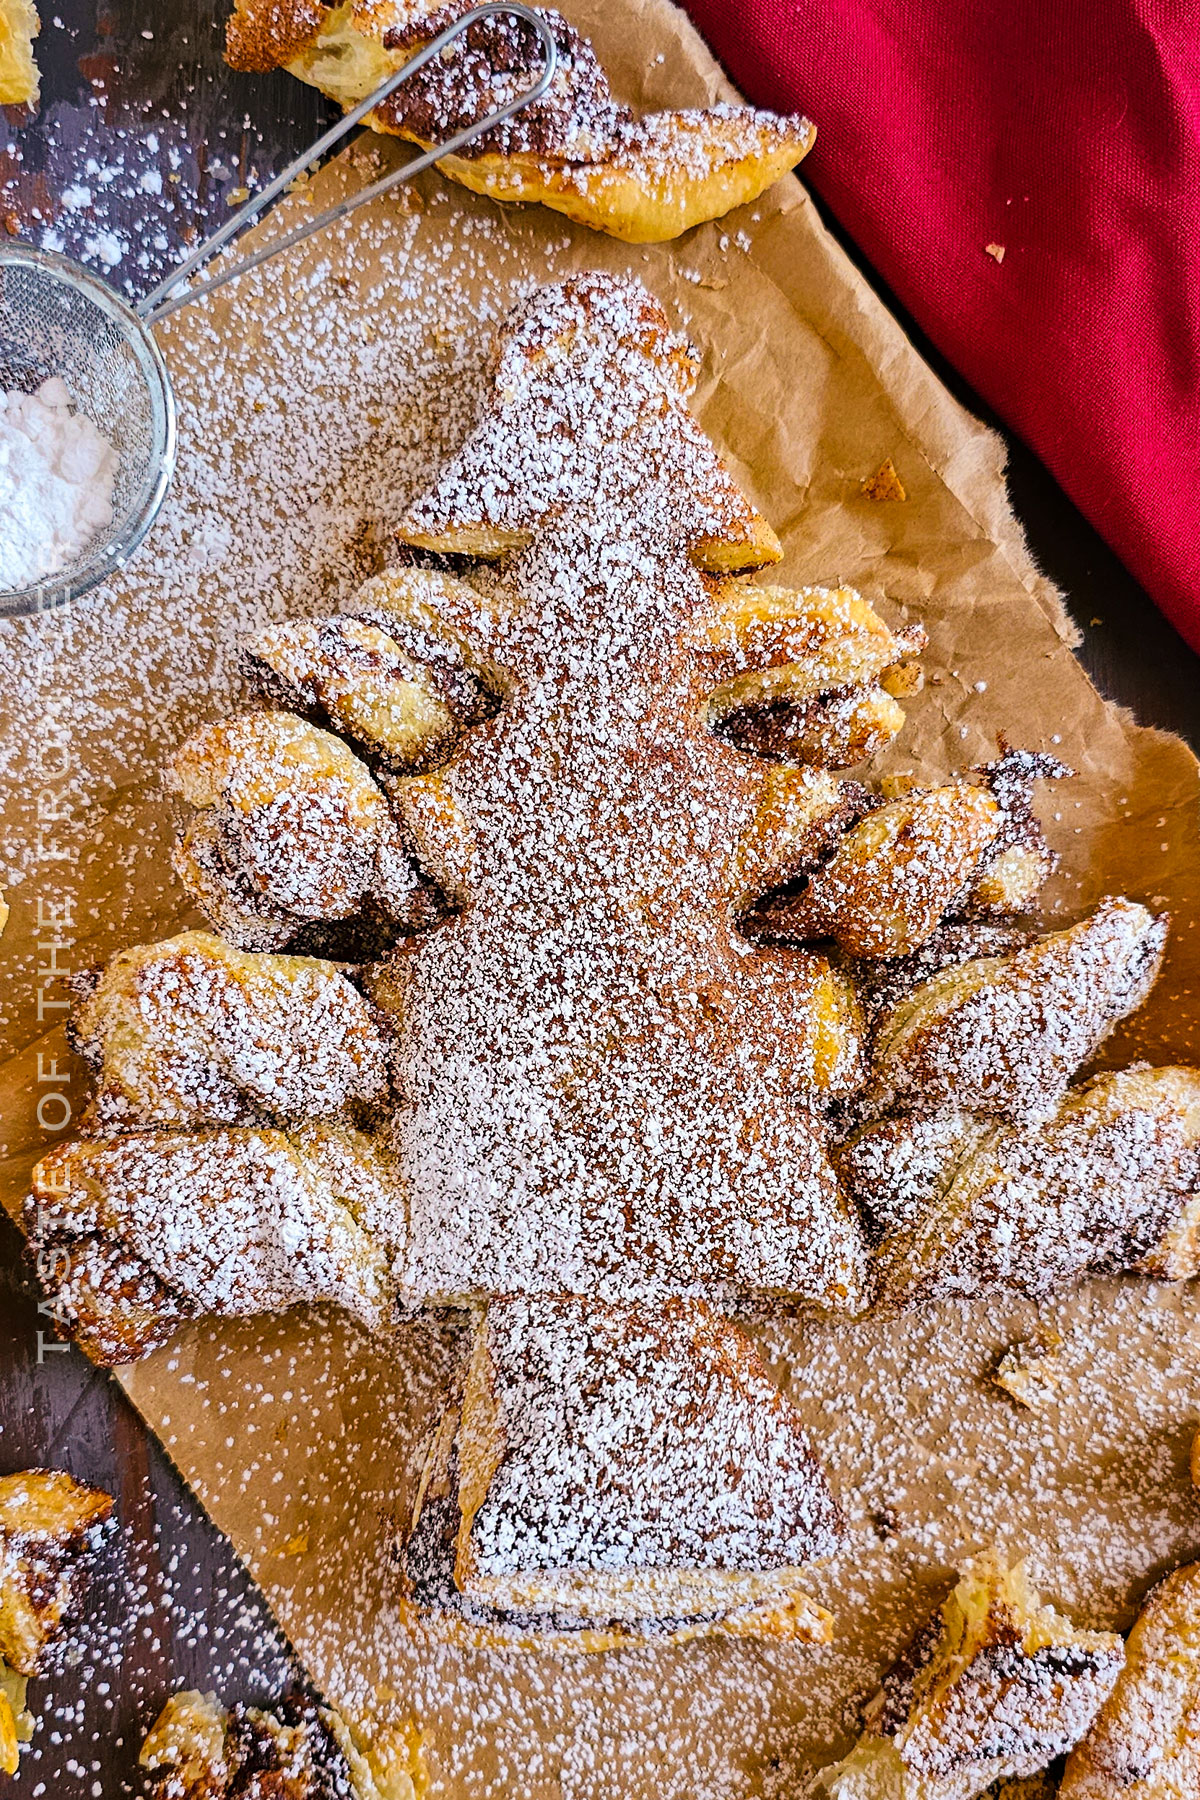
56,483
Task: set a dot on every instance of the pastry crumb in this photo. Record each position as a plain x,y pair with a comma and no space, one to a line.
885,484
294,1546
1032,1372
994,250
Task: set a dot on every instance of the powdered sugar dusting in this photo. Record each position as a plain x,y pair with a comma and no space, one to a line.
931,1462
126,673
289,1235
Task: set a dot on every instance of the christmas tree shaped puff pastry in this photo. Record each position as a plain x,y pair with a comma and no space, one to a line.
603,1120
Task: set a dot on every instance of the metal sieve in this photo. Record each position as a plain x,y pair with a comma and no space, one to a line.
58,318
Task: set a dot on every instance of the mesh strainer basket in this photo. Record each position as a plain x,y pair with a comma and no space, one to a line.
57,318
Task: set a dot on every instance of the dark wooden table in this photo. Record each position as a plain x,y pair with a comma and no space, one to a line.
142,143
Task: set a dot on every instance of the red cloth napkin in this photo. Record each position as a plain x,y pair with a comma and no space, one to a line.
1066,134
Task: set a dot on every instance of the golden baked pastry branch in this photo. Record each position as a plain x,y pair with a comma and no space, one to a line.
996,1686
576,150
198,1749
51,1527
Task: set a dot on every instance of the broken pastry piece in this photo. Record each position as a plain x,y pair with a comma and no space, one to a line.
1031,1373
386,674
970,847
133,1235
884,484
964,1205
193,1032
1005,1034
50,1527
298,1750
19,25
1145,1744
995,1687
285,828
616,1475
575,150
809,676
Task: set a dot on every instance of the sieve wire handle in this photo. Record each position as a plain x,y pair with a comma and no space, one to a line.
161,301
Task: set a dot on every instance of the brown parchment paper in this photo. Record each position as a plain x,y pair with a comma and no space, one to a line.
316,397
